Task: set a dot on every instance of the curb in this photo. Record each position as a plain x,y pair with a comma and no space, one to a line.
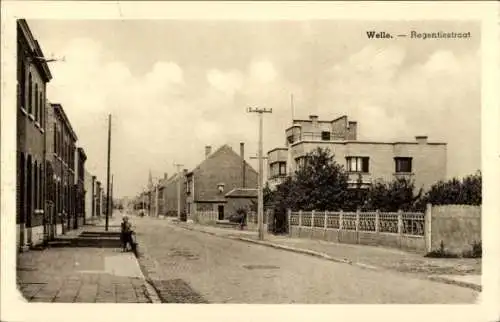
296,250
152,292
282,247
445,280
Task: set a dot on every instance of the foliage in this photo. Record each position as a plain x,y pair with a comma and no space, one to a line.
475,252
320,184
392,196
464,192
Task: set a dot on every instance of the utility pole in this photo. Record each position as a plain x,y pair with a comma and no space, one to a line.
178,166
109,168
260,209
111,202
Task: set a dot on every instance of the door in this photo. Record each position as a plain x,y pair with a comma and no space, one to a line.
220,209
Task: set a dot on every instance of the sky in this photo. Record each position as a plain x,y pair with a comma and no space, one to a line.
175,86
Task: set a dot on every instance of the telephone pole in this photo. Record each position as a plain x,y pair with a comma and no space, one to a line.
109,168
260,196
111,202
178,166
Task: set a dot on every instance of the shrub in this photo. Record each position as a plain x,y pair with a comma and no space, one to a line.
441,253
475,252
456,192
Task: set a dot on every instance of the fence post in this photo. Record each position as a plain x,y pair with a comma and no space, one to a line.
400,227
300,222
312,219
400,222
428,228
289,215
357,225
377,221
325,226
341,224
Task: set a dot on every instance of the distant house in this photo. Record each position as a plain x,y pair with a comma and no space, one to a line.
221,172
171,193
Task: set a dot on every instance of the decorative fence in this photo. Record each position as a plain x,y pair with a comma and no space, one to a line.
212,217
396,229
205,217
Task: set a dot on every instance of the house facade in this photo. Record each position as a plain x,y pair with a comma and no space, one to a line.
89,188
80,191
33,74
171,194
61,155
220,172
420,160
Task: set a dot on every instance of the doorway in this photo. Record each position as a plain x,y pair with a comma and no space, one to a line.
220,210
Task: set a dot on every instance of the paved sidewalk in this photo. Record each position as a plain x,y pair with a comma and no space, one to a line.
81,274
363,255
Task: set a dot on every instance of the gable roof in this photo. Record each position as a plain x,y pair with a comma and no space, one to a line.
224,147
242,193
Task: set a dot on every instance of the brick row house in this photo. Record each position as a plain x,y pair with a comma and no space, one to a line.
50,190
420,160
220,173
220,184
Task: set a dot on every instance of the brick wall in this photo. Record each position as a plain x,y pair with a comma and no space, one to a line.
223,166
457,226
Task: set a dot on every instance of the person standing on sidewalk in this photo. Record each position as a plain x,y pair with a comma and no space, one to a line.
126,233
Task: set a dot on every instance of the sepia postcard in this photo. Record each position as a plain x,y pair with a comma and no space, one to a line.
276,155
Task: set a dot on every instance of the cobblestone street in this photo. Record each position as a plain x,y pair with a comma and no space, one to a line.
190,266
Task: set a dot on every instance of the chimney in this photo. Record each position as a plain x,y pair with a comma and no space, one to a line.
421,139
352,132
208,150
313,118
165,176
243,164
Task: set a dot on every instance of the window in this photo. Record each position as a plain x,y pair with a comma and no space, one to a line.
36,102
403,165
358,164
290,139
30,95
325,136
23,84
42,111
282,170
55,138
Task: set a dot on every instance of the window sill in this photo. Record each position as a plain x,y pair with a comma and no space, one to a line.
24,111
32,117
402,174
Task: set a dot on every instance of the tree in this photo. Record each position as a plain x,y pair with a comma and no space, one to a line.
320,184
395,195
